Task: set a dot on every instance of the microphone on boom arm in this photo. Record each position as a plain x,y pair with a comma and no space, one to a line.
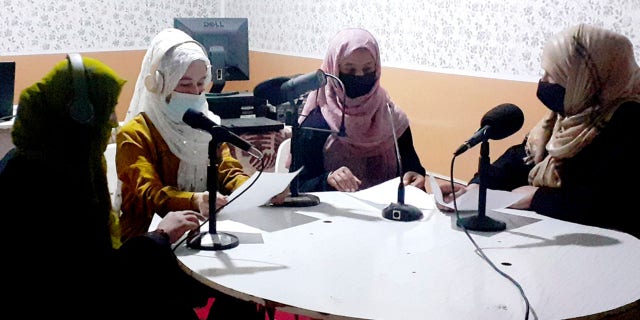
287,89
283,89
498,123
400,211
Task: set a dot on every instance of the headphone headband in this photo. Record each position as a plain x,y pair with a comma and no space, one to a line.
80,108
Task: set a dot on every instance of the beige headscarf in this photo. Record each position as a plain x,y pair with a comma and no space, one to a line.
598,70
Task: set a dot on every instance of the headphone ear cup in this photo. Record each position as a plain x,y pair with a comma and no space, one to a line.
154,82
80,107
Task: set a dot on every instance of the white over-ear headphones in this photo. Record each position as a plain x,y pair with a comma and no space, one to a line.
80,107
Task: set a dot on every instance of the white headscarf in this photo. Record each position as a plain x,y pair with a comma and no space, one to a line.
169,56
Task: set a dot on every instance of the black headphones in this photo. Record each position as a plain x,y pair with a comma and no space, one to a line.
80,108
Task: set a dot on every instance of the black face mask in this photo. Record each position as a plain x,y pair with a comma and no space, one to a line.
357,86
552,96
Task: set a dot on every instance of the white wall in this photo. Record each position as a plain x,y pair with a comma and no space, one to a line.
61,26
488,38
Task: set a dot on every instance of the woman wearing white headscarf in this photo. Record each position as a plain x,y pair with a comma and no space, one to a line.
578,162
162,161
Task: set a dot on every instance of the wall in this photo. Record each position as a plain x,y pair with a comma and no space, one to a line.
31,68
444,109
486,38
445,62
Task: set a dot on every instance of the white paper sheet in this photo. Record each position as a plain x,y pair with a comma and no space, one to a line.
468,201
266,187
381,194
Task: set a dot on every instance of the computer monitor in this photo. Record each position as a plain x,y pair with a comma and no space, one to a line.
7,85
227,43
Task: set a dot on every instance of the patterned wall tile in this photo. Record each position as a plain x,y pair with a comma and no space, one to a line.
44,26
492,38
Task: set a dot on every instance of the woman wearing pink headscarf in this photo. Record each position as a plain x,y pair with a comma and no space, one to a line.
365,155
579,162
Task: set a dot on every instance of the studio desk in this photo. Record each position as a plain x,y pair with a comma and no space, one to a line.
342,260
264,134
253,120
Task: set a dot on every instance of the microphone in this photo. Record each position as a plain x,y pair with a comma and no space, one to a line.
199,120
498,123
400,211
283,89
270,90
301,84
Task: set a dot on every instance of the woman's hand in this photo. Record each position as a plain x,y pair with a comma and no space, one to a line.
176,223
343,179
524,203
280,197
200,200
448,193
412,178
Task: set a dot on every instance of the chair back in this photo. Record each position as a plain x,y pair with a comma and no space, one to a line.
112,174
282,156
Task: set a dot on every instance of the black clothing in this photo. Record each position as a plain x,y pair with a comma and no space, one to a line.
598,183
310,147
60,258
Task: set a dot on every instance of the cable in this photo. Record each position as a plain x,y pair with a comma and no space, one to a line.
481,253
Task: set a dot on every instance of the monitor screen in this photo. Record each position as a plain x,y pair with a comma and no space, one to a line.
7,85
227,43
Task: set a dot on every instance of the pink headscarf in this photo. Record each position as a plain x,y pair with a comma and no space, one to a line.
368,149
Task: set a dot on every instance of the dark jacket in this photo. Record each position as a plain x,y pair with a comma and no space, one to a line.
309,152
598,183
60,258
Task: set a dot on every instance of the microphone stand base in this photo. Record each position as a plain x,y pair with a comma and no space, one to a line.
481,223
402,212
213,241
302,200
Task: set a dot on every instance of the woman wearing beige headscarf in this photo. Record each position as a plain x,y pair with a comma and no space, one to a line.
578,162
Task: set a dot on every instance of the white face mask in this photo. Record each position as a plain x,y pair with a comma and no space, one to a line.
180,102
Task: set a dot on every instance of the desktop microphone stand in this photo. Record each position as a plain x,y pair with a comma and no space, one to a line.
296,199
399,211
481,222
213,240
